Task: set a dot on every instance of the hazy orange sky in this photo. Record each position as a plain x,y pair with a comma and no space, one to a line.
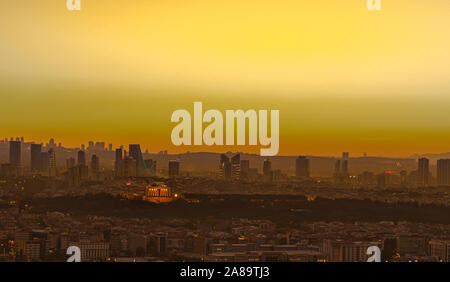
344,78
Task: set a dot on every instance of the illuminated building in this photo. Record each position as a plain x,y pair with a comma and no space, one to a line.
224,167
159,193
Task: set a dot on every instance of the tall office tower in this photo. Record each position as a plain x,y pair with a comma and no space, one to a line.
245,168
110,147
136,153
345,168
267,170
224,167
81,158
51,163
99,146
70,163
95,165
302,167
345,156
345,164
15,153
118,162
44,158
423,172
337,167
174,168
443,172
82,147
129,167
91,145
35,162
236,167
337,171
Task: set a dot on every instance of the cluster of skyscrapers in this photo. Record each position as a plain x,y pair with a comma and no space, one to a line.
236,169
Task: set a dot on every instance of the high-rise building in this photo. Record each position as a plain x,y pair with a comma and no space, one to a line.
224,167
302,167
129,167
44,158
81,157
95,165
245,168
236,167
267,170
344,171
15,153
345,156
51,163
423,172
35,162
443,172
174,168
337,171
118,162
136,153
70,163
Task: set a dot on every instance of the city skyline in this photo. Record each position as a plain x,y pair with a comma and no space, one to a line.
208,149
343,78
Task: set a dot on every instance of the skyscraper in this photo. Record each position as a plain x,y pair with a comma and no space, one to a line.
423,172
51,163
236,167
267,170
35,156
70,163
443,172
136,153
302,167
15,153
44,159
174,168
81,158
95,164
118,162
224,167
245,168
344,171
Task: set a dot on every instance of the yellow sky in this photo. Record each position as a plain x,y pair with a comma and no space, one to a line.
344,78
